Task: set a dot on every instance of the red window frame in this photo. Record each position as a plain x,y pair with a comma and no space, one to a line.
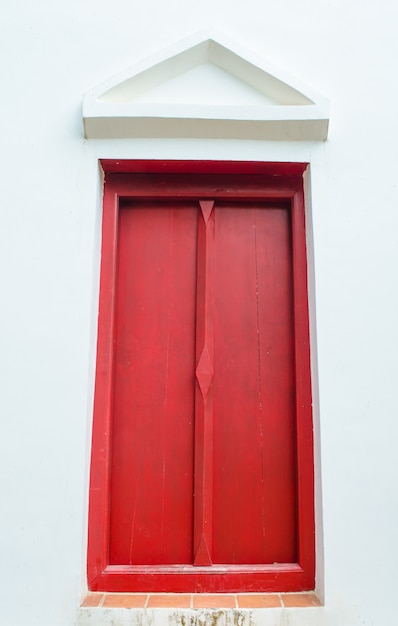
277,181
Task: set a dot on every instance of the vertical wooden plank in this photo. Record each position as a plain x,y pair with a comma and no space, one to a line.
203,501
151,513
254,433
305,453
98,556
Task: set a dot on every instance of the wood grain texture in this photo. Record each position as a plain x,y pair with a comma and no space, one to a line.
152,431
254,436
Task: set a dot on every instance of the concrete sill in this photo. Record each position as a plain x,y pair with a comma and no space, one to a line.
297,609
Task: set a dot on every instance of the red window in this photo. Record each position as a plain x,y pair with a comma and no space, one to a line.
202,459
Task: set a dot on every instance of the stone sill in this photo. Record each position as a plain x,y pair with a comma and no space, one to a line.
112,609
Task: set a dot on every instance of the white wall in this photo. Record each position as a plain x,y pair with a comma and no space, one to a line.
49,241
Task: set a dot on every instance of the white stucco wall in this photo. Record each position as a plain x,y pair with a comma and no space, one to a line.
51,54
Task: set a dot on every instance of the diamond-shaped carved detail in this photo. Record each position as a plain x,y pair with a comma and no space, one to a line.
206,207
204,372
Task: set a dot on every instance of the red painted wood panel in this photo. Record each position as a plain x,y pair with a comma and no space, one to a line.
153,401
202,460
254,429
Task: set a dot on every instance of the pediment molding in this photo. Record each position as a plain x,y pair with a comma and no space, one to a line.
205,87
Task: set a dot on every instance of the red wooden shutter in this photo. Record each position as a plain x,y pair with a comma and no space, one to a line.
202,466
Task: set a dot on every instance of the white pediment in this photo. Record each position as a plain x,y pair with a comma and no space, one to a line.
204,87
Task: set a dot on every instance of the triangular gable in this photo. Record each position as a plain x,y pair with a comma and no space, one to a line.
204,87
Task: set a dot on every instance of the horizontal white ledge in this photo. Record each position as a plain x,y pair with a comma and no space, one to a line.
279,128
